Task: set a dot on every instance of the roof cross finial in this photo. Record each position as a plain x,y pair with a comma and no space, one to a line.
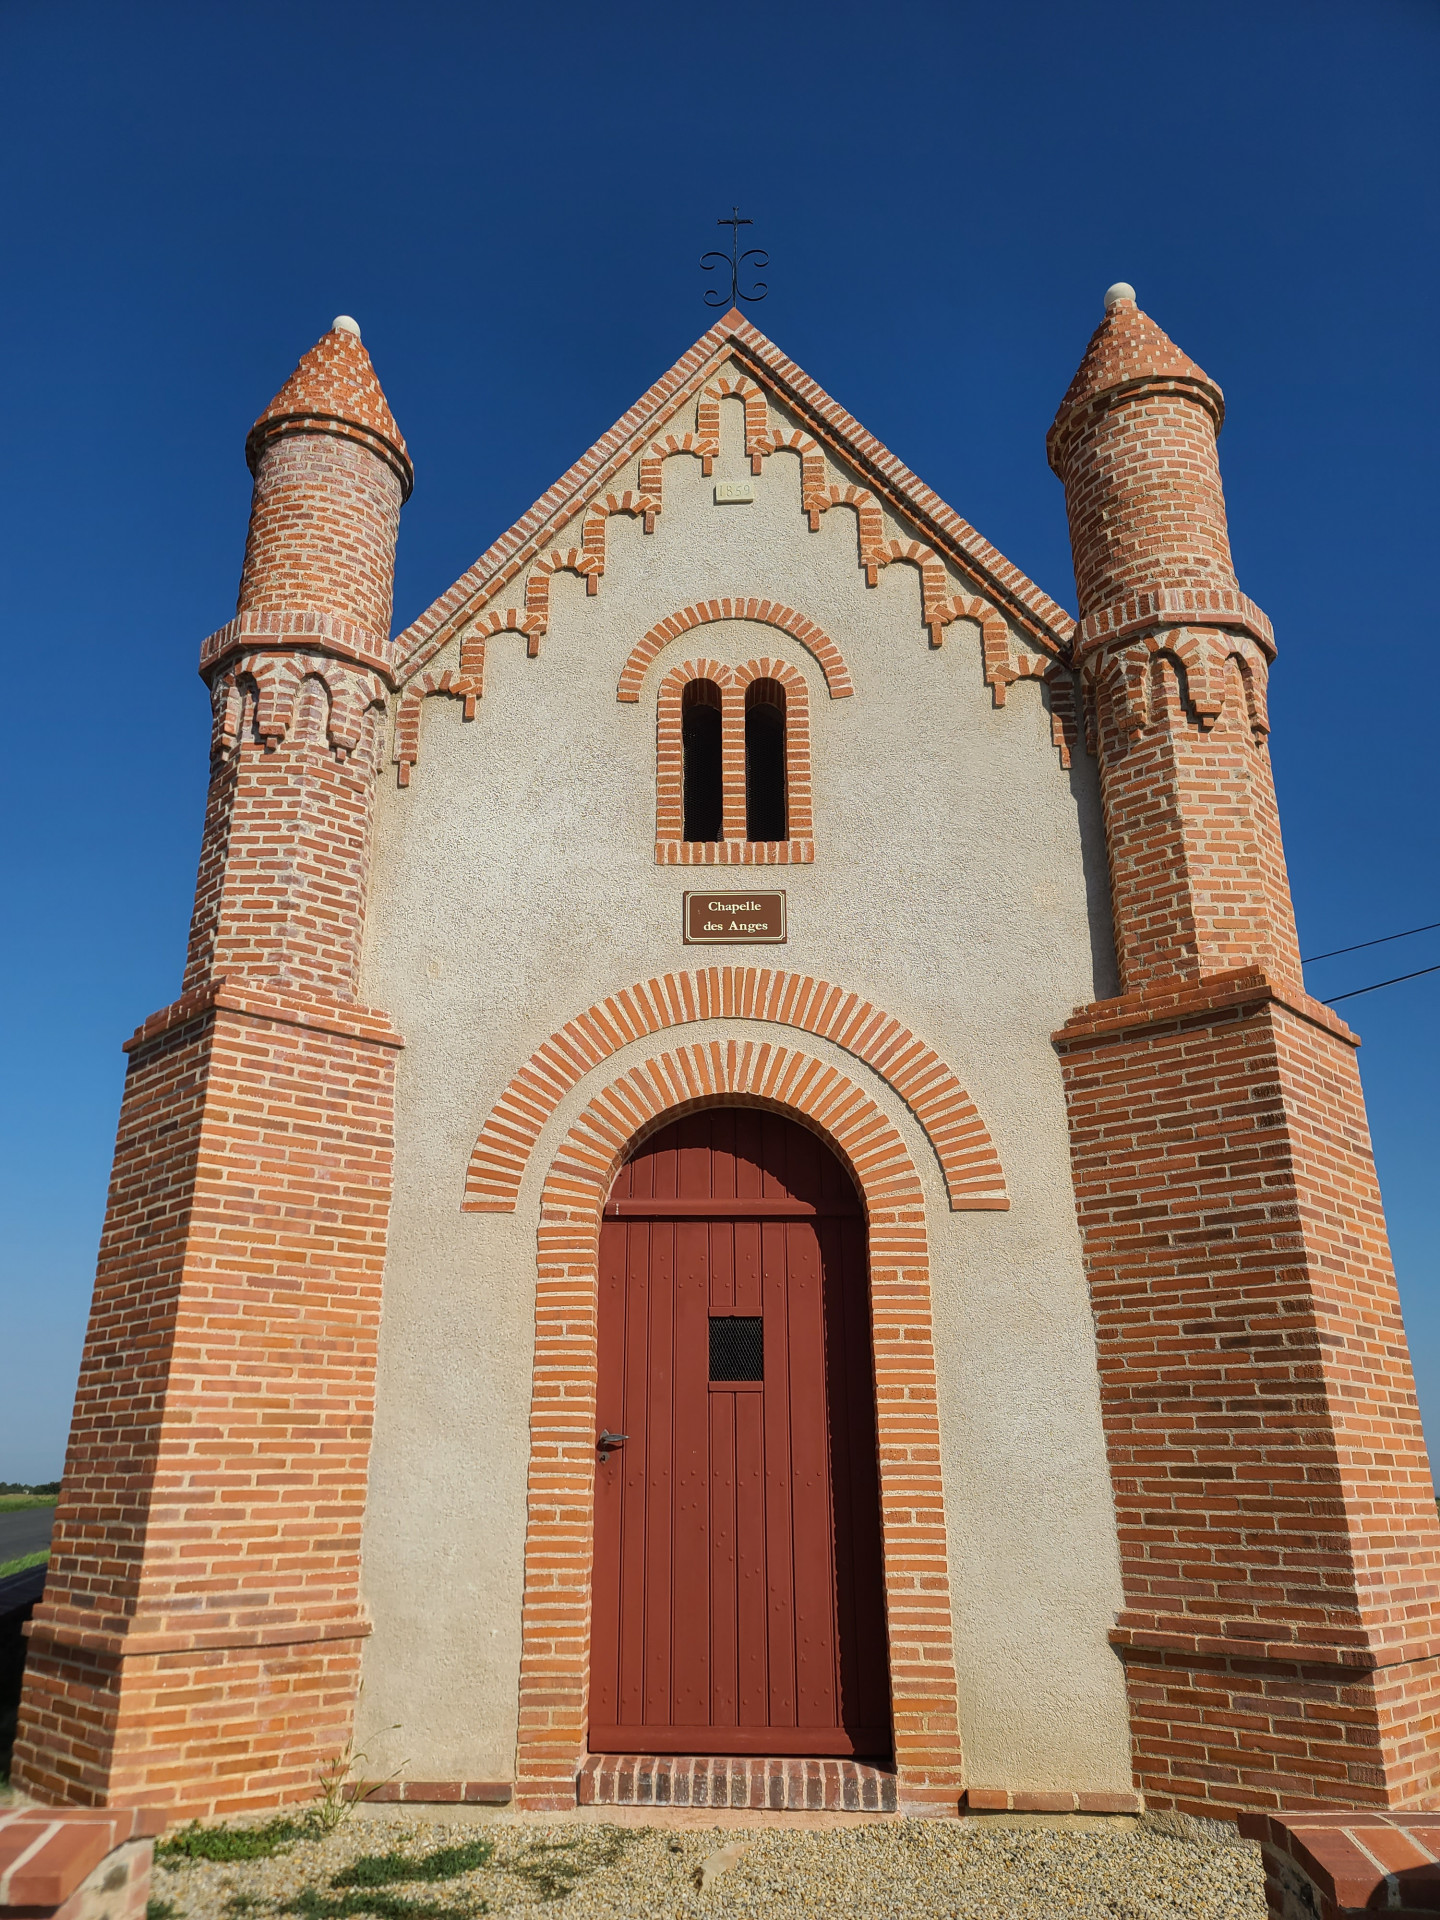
735,260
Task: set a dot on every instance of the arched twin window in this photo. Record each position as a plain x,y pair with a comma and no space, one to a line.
703,755
733,765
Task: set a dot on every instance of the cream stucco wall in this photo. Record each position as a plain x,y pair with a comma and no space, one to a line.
959,882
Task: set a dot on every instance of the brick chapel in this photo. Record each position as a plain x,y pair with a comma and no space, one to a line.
743,1199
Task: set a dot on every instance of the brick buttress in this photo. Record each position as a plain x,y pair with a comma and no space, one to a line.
198,1645
1279,1545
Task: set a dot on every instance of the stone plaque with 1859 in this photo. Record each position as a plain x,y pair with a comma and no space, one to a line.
737,917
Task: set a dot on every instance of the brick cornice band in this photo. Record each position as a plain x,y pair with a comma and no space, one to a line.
64,1627
770,613
1146,608
1073,423
280,630
264,433
321,1016
1341,1647
1185,1000
974,1179
559,1539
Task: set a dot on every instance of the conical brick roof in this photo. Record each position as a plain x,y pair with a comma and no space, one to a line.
335,388
1127,349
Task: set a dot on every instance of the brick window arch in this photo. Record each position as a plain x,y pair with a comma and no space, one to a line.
778,692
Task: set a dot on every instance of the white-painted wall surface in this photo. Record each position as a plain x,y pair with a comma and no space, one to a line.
959,883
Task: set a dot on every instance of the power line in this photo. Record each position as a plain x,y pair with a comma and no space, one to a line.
1372,943
1354,991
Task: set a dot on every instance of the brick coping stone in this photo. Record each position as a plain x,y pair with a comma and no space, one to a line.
437,1793
1057,1800
48,1854
1329,1866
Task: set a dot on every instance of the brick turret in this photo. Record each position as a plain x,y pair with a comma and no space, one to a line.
198,1644
1173,660
324,517
1279,1545
1134,443
303,669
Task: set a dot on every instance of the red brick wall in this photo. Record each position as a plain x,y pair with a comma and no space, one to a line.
1197,870
285,862
1280,1550
209,1526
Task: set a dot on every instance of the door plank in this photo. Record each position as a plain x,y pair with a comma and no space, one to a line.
644,1244
752,1651
609,1477
667,1257
779,1508
812,1527
725,1512
691,1521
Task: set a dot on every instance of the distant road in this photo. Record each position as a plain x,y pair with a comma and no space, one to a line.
25,1532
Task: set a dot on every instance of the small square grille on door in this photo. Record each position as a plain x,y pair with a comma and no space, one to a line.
737,1347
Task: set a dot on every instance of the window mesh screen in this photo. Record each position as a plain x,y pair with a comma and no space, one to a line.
737,1347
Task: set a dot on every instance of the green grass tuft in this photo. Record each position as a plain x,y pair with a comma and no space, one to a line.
388,1869
38,1559
231,1843
159,1910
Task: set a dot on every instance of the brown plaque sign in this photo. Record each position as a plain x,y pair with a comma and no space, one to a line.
736,916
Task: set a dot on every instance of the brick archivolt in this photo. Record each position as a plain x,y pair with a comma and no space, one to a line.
1005,661
768,613
555,1643
733,848
974,1179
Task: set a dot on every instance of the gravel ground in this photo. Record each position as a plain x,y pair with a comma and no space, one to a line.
1162,1867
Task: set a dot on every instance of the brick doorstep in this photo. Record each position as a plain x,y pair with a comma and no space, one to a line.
780,1786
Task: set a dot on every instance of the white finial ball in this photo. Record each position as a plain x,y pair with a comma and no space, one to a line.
342,323
1122,290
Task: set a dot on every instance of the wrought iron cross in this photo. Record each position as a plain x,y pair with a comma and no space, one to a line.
734,260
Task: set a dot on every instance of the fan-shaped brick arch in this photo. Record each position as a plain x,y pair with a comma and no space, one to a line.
769,613
559,1536
974,1179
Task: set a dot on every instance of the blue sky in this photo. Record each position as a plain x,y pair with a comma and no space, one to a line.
513,202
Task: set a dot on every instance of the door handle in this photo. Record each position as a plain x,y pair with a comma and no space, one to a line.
608,1442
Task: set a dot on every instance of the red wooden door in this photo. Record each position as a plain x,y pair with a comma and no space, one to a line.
738,1600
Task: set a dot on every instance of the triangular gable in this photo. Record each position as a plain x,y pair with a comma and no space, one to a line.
636,433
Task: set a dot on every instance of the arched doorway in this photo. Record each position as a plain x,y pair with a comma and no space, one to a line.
739,1597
